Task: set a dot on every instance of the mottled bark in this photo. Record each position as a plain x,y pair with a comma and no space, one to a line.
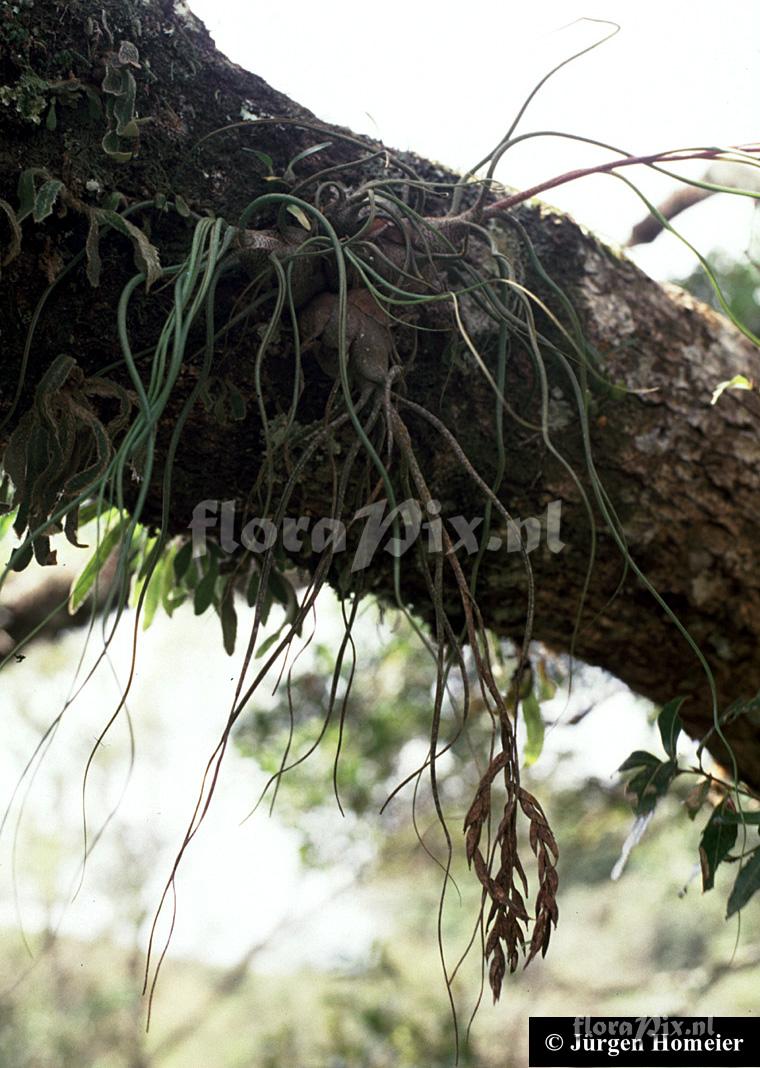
682,475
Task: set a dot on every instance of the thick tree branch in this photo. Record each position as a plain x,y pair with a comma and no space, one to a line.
682,475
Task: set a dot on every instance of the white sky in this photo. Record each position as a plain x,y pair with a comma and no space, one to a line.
446,79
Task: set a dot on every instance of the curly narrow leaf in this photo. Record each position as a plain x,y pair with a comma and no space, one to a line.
311,151
146,254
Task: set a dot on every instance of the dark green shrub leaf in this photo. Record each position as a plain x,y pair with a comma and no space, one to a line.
670,726
22,556
204,591
717,841
228,616
267,644
747,882
651,783
639,759
182,560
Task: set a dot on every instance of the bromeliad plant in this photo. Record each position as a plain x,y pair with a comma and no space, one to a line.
362,273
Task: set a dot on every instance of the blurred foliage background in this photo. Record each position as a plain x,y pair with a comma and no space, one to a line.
648,944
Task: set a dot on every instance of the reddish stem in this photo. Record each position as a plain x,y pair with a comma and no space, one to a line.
602,168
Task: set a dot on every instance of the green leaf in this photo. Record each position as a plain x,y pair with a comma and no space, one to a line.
534,726
651,783
112,147
92,510
262,157
193,575
281,589
21,557
718,839
51,121
146,551
181,206
45,199
204,591
171,595
267,644
152,598
182,560
747,882
81,585
639,759
299,214
228,616
6,522
670,726
547,688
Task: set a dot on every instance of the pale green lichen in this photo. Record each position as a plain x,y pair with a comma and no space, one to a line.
29,97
